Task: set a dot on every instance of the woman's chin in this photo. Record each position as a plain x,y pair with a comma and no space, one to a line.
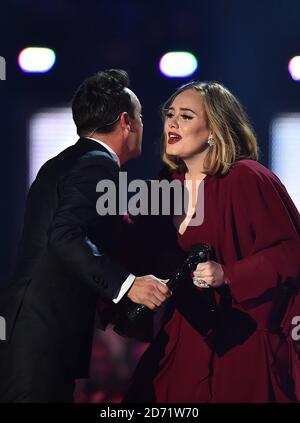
173,150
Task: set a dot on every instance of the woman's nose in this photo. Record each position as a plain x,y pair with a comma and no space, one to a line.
173,123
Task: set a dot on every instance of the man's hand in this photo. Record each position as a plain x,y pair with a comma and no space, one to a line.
149,290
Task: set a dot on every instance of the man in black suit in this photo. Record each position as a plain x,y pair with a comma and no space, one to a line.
68,253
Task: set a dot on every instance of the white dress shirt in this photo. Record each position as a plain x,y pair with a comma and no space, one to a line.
130,279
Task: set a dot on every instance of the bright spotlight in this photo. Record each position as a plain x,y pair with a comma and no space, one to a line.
36,59
294,68
178,64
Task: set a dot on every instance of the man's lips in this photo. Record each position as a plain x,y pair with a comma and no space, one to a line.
173,138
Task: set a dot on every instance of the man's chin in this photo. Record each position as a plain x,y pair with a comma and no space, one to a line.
136,153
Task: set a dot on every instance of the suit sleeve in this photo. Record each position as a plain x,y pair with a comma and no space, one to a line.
262,206
75,220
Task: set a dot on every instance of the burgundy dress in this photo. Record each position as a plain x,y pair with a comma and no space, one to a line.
244,352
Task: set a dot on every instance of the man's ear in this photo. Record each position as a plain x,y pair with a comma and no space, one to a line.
125,121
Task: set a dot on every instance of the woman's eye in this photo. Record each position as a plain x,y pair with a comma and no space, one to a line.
169,115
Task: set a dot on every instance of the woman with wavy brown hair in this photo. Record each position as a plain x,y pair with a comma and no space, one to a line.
241,349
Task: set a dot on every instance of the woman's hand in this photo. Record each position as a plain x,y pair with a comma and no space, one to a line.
209,272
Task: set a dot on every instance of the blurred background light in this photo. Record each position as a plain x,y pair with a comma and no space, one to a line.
285,152
50,132
294,68
36,59
178,64
2,68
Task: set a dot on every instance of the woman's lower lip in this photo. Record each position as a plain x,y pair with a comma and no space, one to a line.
173,141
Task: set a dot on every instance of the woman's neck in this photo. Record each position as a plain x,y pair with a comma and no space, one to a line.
195,167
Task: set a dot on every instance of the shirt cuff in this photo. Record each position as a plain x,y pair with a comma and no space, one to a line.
124,288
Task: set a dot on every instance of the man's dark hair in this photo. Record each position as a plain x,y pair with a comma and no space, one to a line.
100,100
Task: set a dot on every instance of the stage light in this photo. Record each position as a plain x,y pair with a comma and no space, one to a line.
178,64
50,131
285,152
294,68
36,59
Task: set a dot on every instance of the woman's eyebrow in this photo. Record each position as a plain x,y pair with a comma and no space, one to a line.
184,109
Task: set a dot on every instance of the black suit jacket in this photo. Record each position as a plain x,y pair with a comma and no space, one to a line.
67,258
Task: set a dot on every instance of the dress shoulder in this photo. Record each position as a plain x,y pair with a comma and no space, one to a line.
244,171
249,167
